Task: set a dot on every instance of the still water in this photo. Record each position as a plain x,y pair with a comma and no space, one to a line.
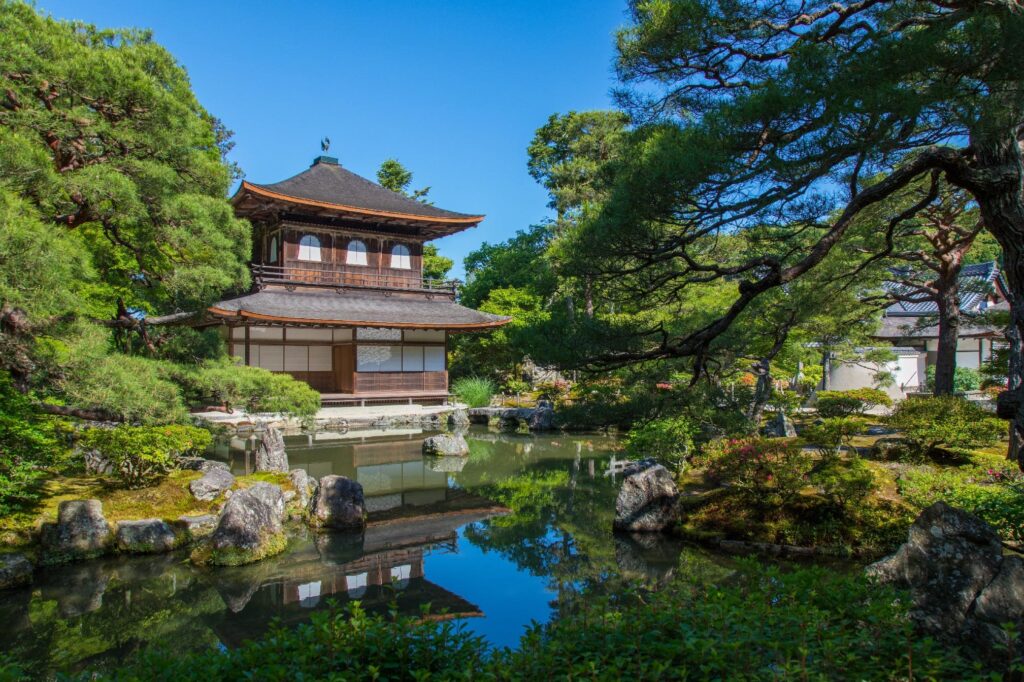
499,539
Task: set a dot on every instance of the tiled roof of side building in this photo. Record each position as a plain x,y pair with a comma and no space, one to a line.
976,282
327,183
370,309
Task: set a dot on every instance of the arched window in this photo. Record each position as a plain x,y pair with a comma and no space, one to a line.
355,254
272,256
309,248
400,257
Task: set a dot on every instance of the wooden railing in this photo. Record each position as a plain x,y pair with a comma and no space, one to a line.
333,275
379,382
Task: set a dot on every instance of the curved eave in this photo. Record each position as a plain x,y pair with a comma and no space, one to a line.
467,221
246,315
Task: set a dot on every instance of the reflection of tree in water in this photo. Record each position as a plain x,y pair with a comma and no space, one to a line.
97,614
561,521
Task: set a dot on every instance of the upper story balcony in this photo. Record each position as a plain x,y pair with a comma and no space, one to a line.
344,276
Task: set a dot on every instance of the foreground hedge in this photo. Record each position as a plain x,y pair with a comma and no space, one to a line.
756,623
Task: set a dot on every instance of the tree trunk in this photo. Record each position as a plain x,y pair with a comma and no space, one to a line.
762,390
949,333
1001,202
826,370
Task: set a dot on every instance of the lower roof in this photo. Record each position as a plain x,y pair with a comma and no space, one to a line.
911,327
349,308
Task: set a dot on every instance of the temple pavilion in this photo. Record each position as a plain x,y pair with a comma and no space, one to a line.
339,299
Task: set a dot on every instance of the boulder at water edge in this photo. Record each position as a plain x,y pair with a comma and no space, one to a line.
446,445
962,587
270,454
214,482
542,419
146,536
81,532
15,571
250,528
458,419
305,486
647,498
338,504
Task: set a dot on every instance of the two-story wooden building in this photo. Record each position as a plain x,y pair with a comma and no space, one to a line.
339,299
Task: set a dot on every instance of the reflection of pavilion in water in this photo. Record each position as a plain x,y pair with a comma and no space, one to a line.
380,568
390,468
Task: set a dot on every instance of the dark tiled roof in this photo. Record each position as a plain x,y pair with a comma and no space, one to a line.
329,183
976,282
372,309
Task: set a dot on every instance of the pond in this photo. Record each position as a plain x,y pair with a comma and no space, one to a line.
501,539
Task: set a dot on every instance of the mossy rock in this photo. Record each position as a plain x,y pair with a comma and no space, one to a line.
207,555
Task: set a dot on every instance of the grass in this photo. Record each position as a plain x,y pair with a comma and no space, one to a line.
474,391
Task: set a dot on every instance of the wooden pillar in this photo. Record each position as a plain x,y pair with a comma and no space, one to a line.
247,345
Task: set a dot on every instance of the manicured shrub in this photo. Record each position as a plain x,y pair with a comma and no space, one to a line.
853,402
928,423
139,455
765,471
833,435
251,388
964,379
669,439
474,391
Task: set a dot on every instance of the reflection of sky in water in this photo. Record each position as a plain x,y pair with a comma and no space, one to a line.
509,597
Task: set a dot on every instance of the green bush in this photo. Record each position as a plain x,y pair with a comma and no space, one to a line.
964,379
833,435
928,423
474,391
786,402
844,483
764,471
850,403
669,439
251,388
140,455
760,623
984,493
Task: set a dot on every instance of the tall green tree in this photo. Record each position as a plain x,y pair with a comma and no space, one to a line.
113,216
780,113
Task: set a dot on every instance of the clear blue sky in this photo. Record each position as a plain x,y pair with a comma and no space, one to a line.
452,89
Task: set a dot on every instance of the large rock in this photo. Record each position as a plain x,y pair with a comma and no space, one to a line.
446,445
270,453
214,482
647,498
780,426
305,486
81,532
458,419
542,419
15,571
201,464
338,503
198,527
146,536
961,586
250,528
